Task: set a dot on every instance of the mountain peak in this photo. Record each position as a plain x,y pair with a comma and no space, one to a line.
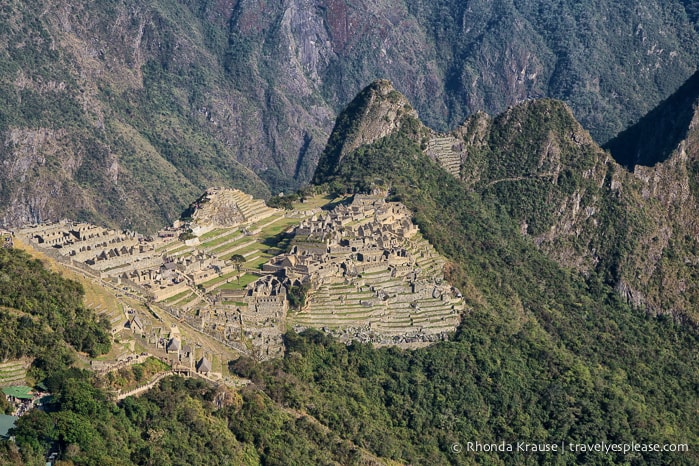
378,111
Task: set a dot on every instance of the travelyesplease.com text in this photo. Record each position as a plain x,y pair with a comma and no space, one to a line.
603,447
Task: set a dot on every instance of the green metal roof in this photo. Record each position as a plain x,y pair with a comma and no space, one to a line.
21,392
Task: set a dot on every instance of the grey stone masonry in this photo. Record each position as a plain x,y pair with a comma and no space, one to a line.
369,268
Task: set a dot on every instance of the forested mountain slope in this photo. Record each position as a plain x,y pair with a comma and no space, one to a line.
530,301
547,353
42,316
637,229
636,232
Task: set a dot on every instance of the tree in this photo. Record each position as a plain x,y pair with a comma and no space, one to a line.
5,407
297,295
238,260
305,192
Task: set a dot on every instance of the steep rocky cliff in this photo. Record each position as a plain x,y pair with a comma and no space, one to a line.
637,229
664,268
100,119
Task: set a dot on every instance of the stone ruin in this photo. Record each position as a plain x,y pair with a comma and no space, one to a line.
369,273
106,252
372,276
6,239
226,208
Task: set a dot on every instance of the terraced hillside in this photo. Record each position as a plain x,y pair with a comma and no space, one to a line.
369,275
447,150
13,372
220,207
387,306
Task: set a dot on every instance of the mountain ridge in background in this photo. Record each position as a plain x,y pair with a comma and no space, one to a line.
120,113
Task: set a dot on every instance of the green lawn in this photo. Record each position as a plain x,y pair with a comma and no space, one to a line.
265,221
165,246
181,248
221,240
188,300
213,233
244,281
220,279
257,263
277,227
316,201
227,247
251,248
177,297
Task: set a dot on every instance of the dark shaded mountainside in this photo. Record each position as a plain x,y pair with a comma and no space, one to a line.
120,113
658,135
535,164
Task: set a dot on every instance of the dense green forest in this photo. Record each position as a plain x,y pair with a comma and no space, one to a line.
180,422
42,315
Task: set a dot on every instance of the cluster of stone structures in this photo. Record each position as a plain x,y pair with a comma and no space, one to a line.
186,356
176,274
372,276
368,275
106,252
160,268
257,314
366,236
183,356
220,207
366,271
145,263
